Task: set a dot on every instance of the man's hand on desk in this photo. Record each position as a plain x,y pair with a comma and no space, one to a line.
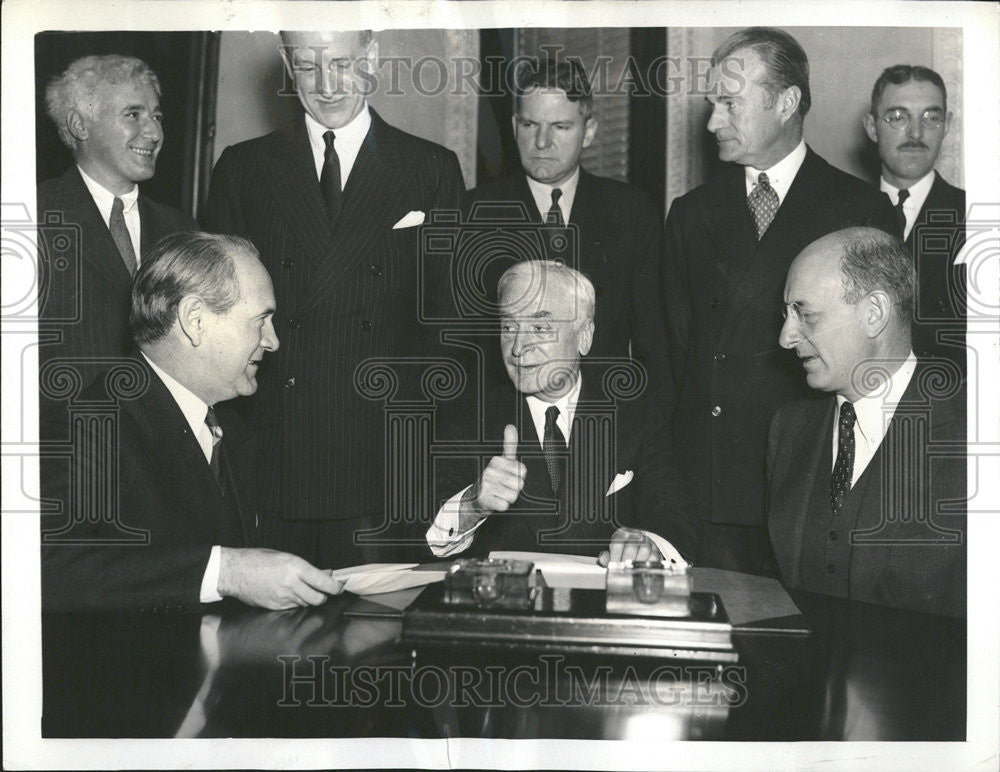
629,544
497,487
273,580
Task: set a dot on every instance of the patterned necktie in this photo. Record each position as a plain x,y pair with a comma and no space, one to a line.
900,215
554,216
121,236
553,445
215,463
843,468
329,180
763,203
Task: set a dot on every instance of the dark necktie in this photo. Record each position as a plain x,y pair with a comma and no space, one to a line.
329,180
763,204
900,216
121,236
843,468
553,445
554,216
215,464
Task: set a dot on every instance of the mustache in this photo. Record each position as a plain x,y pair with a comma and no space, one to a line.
914,145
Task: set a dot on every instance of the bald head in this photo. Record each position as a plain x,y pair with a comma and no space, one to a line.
848,306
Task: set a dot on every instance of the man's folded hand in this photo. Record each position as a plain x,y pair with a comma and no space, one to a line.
273,580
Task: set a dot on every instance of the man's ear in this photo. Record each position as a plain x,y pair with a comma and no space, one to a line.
868,121
947,123
877,308
589,131
77,125
788,102
191,318
584,338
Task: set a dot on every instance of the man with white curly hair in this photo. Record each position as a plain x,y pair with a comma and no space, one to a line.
107,112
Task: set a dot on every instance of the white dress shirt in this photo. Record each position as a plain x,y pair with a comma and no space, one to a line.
444,537
195,410
874,413
781,175
346,142
911,206
542,194
105,199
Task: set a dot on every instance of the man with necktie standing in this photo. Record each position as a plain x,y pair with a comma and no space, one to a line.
615,232
107,111
908,121
727,247
333,202
867,486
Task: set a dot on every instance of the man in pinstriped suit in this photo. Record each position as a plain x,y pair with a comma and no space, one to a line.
344,260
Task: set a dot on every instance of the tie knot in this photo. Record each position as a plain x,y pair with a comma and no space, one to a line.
763,181
847,416
903,195
551,415
213,425
118,207
556,195
328,138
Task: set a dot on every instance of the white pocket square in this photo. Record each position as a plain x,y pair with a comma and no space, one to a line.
416,217
620,481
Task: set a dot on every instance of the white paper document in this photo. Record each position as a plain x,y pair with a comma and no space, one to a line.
576,571
375,578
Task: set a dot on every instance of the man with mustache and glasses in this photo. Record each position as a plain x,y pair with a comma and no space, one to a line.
107,111
908,121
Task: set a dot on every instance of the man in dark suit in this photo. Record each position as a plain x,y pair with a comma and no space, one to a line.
107,110
908,121
333,203
160,504
728,244
577,464
867,487
614,232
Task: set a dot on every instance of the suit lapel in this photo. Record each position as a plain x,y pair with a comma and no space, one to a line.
728,215
291,174
371,208
101,253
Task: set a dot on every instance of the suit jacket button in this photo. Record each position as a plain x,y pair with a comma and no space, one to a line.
714,303
366,325
720,357
294,323
375,269
287,262
716,411
290,383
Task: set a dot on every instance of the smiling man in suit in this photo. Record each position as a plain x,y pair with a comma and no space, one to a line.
333,202
867,487
107,111
615,232
909,120
579,468
728,245
201,316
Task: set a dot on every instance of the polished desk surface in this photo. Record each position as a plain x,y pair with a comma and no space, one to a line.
865,673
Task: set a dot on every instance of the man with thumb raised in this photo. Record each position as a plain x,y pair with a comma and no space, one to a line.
583,466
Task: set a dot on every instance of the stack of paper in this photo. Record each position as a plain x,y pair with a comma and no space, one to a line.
375,578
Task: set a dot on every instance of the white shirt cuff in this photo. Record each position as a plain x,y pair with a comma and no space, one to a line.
210,581
443,537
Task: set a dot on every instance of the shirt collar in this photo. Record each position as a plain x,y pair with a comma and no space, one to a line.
918,191
781,174
105,199
875,410
191,405
352,134
566,404
542,193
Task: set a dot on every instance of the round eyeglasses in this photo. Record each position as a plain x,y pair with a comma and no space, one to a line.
899,118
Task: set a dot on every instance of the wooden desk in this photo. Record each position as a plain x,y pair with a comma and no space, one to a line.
866,672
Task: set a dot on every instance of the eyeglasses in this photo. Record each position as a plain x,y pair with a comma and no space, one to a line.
899,118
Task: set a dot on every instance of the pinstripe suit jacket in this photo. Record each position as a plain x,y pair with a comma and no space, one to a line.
343,295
